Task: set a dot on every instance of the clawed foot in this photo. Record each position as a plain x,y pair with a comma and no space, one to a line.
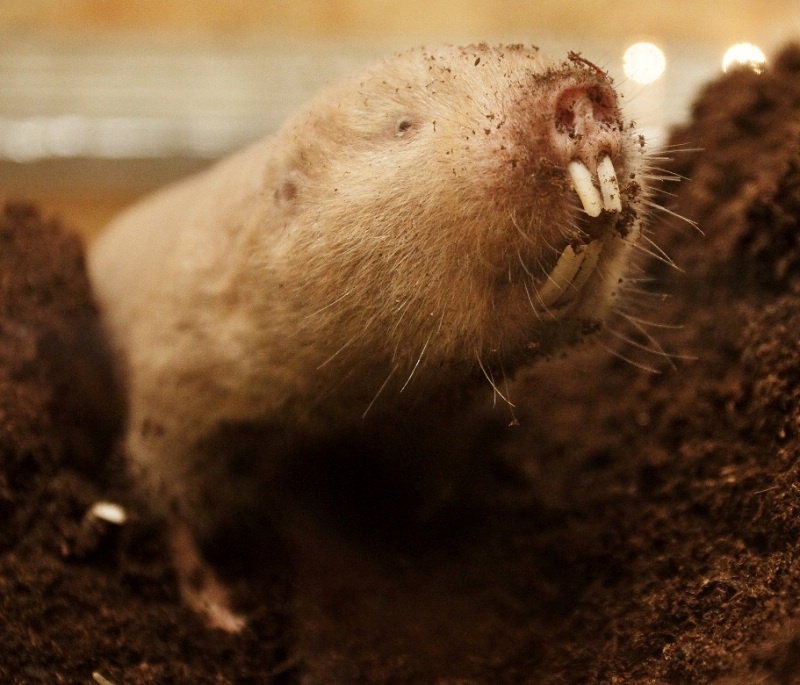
199,586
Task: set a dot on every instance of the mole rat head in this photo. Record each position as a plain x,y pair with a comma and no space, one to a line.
471,200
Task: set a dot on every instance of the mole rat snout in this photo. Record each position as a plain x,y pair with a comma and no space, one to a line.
586,124
586,140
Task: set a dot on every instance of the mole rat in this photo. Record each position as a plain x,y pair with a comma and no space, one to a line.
411,237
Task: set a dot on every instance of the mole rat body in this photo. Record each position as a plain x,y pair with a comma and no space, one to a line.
416,232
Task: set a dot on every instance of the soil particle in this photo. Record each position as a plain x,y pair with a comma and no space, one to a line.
635,527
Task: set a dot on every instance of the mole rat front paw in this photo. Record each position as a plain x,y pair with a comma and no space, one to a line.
201,590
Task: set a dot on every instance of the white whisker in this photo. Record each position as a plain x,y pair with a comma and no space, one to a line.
530,300
497,392
668,175
525,236
380,390
628,360
327,306
661,208
336,354
646,322
656,253
419,359
654,348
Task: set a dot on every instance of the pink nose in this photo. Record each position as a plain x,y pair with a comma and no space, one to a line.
585,125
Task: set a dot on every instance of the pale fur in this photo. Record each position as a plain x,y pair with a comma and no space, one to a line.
350,266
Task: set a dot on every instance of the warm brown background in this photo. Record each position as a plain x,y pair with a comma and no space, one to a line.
88,193
690,20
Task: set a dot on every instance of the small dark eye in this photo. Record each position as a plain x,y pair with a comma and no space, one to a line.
404,124
286,192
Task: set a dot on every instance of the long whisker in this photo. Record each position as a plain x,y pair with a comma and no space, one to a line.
657,347
647,322
380,390
419,359
525,236
336,354
530,300
619,355
656,253
492,383
661,208
653,348
330,304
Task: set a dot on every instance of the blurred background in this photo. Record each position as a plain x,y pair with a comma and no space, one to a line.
103,100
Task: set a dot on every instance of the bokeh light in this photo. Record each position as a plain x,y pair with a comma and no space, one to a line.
744,55
644,62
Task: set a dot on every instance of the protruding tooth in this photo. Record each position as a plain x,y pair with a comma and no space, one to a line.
591,254
561,275
608,185
569,274
582,180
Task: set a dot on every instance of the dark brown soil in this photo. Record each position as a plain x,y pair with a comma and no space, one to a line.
636,527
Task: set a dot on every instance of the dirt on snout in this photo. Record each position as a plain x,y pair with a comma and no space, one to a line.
637,526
